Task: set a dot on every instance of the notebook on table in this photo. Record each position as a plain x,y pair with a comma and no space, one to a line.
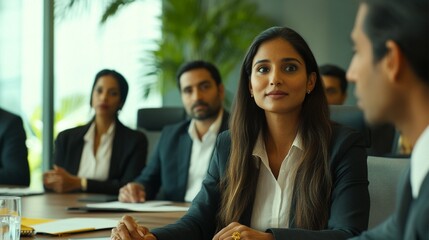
64,226
26,225
27,231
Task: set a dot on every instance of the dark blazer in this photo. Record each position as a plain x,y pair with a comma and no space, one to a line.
410,221
166,175
129,150
349,210
14,169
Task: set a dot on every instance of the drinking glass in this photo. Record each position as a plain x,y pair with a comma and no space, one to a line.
10,217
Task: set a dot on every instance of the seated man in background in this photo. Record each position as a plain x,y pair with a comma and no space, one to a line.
14,169
179,163
335,83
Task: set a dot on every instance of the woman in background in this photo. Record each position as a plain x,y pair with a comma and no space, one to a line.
284,171
103,155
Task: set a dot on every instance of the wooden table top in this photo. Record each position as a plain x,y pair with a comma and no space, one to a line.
54,206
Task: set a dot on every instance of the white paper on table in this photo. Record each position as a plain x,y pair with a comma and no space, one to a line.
74,225
148,206
19,191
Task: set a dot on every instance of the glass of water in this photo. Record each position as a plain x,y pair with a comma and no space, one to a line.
10,218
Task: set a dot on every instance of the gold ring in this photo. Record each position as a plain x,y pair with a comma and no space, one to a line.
236,236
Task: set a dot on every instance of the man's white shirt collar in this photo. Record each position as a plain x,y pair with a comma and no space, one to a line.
420,162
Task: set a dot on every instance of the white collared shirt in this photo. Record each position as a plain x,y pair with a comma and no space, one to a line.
96,167
271,208
200,156
420,162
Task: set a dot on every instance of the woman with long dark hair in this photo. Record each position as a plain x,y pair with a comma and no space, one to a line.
283,171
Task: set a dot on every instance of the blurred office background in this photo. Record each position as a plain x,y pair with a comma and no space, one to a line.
82,46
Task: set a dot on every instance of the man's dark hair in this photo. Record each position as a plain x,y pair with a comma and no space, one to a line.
406,22
188,66
335,71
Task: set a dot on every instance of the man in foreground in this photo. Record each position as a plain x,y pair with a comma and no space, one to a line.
390,69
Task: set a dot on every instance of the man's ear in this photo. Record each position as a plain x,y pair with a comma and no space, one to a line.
393,61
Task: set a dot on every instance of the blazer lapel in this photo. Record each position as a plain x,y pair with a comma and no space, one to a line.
417,218
183,160
225,122
117,149
405,200
77,142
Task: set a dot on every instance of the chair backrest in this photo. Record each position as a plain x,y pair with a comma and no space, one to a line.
383,176
351,116
154,119
379,139
151,121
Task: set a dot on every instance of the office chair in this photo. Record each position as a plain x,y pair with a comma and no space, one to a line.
351,116
383,177
383,172
154,119
151,121
379,139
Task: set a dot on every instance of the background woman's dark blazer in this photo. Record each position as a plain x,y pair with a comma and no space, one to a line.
349,199
129,152
14,168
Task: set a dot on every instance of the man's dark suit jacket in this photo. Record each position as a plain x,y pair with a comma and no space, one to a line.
349,210
410,221
129,150
166,175
14,169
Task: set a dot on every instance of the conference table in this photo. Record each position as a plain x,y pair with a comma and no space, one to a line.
54,206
